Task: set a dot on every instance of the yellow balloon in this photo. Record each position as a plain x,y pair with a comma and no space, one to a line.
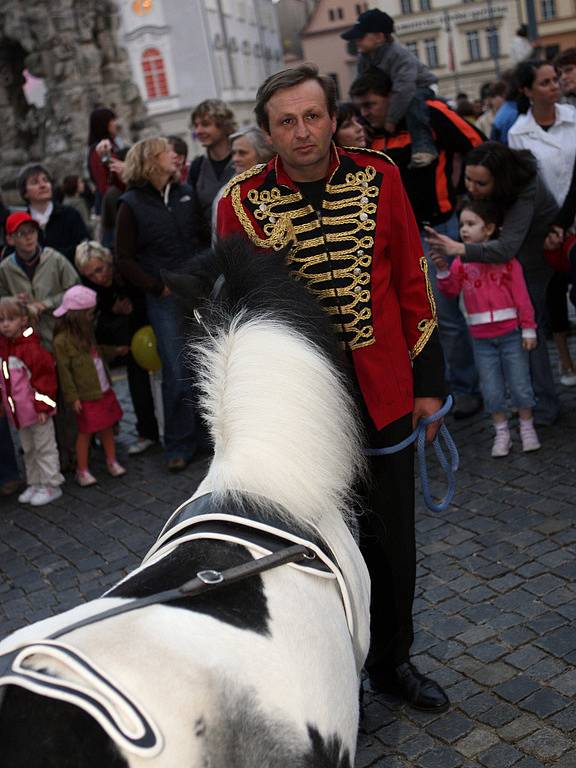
144,349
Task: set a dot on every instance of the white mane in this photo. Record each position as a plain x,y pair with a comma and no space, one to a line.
281,419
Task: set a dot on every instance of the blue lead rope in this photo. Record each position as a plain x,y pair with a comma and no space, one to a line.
448,463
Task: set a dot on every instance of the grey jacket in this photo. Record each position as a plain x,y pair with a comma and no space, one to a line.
404,70
523,232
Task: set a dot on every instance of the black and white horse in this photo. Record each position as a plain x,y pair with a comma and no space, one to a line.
263,672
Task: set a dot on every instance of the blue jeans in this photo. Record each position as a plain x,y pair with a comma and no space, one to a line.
8,464
461,373
418,122
180,420
504,367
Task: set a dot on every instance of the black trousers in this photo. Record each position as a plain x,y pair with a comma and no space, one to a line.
388,544
141,396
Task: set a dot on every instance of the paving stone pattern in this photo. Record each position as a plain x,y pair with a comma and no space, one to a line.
496,596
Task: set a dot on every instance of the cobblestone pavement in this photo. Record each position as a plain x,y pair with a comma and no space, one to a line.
496,601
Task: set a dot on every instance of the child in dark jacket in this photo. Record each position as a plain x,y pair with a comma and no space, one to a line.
28,381
85,380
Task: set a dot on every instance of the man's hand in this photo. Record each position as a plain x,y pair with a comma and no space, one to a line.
423,407
389,126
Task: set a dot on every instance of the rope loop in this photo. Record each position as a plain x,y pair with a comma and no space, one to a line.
449,463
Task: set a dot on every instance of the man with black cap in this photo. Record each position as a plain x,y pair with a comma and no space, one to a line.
411,80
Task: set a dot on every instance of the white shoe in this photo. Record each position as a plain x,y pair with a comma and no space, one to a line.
45,494
141,445
567,377
27,494
502,444
529,438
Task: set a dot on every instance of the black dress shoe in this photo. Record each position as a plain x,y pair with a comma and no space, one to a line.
417,690
466,406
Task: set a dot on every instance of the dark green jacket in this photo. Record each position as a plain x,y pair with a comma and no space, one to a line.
77,373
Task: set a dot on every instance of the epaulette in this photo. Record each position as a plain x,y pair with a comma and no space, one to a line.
368,151
242,177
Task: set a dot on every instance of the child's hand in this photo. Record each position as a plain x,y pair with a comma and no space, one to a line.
121,351
439,261
529,344
37,307
42,417
77,406
122,306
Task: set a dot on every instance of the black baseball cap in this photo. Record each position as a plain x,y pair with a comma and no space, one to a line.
373,20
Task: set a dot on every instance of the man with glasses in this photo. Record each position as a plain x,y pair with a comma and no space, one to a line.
36,276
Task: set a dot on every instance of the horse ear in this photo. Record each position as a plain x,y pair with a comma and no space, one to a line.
191,289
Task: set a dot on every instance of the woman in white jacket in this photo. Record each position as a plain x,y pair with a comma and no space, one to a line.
548,130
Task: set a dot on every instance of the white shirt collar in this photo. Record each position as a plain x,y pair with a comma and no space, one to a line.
42,217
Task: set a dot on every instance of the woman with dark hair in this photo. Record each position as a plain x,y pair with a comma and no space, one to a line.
509,178
350,130
103,162
548,130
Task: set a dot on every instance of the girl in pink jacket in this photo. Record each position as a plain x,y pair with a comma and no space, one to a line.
500,317
28,386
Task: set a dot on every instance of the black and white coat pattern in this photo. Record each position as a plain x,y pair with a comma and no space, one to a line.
266,672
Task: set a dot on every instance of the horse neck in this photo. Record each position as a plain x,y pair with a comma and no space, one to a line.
282,422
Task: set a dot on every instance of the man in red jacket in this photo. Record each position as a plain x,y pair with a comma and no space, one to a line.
346,223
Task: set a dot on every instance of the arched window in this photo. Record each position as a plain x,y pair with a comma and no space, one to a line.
154,74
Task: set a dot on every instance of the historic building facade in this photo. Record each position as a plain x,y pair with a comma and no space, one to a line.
183,52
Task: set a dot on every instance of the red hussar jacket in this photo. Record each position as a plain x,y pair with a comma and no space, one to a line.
360,255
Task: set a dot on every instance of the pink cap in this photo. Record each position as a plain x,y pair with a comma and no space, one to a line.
77,297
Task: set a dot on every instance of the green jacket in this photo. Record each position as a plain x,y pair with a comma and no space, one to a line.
77,373
54,275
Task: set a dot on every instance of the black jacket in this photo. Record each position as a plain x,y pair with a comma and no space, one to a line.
64,231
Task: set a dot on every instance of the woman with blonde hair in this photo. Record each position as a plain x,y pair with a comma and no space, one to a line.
121,311
157,231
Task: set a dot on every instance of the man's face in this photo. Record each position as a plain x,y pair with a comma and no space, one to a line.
208,132
567,75
373,108
370,42
301,129
24,241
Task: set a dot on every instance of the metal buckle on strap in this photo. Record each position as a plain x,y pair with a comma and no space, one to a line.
210,577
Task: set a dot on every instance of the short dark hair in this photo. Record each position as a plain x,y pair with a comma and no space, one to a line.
70,185
565,58
288,78
27,173
345,111
178,145
217,111
484,209
511,169
372,81
499,88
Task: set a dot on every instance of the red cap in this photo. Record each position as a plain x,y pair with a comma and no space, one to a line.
15,220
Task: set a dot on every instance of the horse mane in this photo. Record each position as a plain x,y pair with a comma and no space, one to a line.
274,392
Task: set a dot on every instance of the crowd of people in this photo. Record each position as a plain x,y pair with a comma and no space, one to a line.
439,240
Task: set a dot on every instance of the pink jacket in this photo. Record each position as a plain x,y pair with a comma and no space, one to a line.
27,379
495,297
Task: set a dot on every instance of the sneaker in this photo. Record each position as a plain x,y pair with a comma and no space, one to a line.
422,159
502,444
115,469
26,495
45,494
85,478
567,377
529,438
141,445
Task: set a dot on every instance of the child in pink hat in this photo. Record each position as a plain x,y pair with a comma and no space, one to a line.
85,380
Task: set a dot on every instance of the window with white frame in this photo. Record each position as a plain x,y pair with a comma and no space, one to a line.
548,9
431,49
493,42
412,46
154,74
473,45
